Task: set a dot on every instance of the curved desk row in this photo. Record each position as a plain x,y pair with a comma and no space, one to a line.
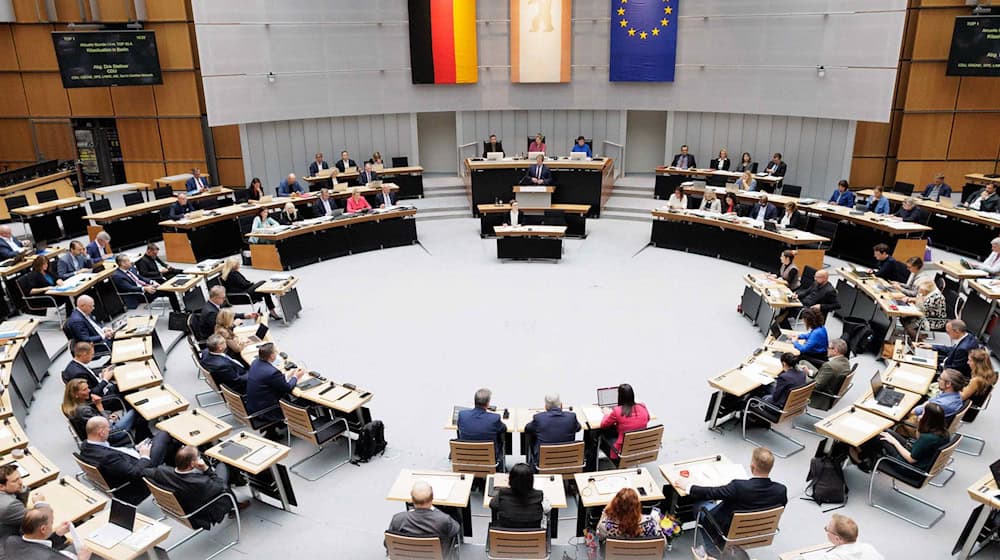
410,179
669,178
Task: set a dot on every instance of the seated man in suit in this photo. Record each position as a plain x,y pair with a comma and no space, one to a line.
552,426
73,261
985,199
757,493
196,183
153,267
83,327
830,376
345,162
937,189
290,185
955,356
266,385
195,484
9,245
843,195
492,145
820,295
479,424
539,174
100,248
99,381
684,160
204,326
180,207
426,521
776,167
763,210
888,268
318,165
123,465
13,507
368,175
385,198
38,539
135,289
225,371
324,205
909,211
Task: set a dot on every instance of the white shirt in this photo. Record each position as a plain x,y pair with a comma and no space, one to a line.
13,243
853,551
678,203
786,219
977,204
98,328
514,216
48,544
126,450
991,264
387,197
761,213
721,163
327,210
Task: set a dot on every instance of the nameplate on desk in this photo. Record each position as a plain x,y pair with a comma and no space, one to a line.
530,189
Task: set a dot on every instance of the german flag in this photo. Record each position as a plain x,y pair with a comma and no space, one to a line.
443,41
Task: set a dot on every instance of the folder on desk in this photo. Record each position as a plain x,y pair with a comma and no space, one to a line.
233,450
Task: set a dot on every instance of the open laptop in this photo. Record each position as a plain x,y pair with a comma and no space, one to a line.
607,396
194,214
494,156
375,184
578,156
454,414
946,202
260,334
533,155
884,394
119,526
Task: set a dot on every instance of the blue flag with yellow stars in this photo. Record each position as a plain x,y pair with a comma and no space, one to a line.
643,40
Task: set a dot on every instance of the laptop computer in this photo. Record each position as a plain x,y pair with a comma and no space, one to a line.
494,156
377,184
884,394
578,156
260,334
119,527
454,414
607,396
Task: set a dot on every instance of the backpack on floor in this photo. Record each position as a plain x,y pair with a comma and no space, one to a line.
371,442
826,481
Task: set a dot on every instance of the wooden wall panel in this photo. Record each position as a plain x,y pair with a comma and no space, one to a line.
46,96
13,102
174,45
231,172
8,54
133,101
867,171
144,172
140,139
115,10
91,102
975,136
930,89
871,139
933,33
178,95
925,136
902,79
167,10
55,140
979,94
227,141
69,10
34,47
30,11
177,167
182,139
922,172
15,140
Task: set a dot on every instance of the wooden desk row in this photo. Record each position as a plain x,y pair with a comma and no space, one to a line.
669,178
764,298
573,216
61,182
410,179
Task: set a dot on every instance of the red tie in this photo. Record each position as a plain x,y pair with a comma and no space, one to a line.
135,278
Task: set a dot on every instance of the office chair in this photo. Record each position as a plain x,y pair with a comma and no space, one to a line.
791,190
401,161
102,205
46,196
132,198
903,188
163,192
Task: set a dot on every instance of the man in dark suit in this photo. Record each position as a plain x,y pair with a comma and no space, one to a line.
955,356
757,493
539,174
552,426
195,484
368,175
843,195
820,295
318,165
81,325
180,207
763,210
889,268
776,167
324,205
492,145
985,199
266,385
9,245
13,506
73,261
196,183
39,539
937,189
345,162
99,381
426,521
684,160
135,288
153,267
100,248
909,211
225,371
204,325
385,198
479,424
123,465
830,376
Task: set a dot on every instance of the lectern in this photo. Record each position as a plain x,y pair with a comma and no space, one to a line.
535,196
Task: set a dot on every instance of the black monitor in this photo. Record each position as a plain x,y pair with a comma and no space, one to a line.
107,58
976,313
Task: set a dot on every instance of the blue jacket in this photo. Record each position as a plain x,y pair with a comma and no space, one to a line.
584,148
892,270
284,189
6,251
266,385
132,294
94,252
957,356
881,207
225,371
843,199
533,173
945,191
553,426
193,185
80,329
365,179
771,213
816,341
477,424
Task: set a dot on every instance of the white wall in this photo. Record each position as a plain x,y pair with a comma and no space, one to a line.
344,57
645,141
436,133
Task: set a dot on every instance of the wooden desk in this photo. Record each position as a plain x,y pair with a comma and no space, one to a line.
11,435
577,182
79,283
901,354
335,396
52,252
551,486
47,207
133,376
813,552
249,463
713,470
159,401
590,487
18,328
55,220
982,491
178,182
70,500
409,178
981,179
529,242
573,215
988,288
153,531
136,326
59,182
40,469
206,268
132,349
451,490
187,287
896,413
764,299
286,292
912,378
195,427
956,270
669,178
852,426
119,188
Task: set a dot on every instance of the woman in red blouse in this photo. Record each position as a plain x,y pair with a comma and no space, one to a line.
538,145
626,416
357,202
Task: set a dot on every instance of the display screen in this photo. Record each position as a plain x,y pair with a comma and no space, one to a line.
975,47
107,58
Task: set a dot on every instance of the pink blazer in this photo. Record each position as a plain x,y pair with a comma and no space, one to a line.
637,421
536,147
360,205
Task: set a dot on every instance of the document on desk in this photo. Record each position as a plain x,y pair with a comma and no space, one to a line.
261,455
442,487
716,473
813,555
874,405
854,423
612,484
160,401
141,539
755,372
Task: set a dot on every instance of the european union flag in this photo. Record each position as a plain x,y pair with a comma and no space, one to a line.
643,40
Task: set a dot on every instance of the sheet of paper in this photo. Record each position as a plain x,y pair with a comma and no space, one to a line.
442,487
611,484
141,539
261,455
854,423
77,541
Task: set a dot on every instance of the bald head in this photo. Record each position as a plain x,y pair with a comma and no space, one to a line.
821,277
4,231
422,494
97,428
37,523
185,458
